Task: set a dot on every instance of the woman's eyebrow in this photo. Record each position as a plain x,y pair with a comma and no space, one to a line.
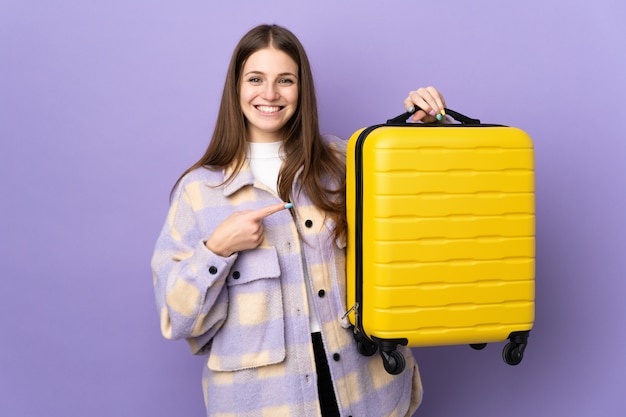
282,74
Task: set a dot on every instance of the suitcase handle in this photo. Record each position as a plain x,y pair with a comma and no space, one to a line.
402,118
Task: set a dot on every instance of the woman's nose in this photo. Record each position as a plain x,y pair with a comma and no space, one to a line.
270,92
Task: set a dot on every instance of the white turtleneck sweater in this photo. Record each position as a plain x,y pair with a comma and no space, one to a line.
265,162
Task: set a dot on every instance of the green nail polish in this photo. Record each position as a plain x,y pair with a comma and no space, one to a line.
439,116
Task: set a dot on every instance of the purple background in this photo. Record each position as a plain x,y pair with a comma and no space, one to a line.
104,103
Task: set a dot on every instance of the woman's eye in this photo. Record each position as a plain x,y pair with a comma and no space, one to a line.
286,81
254,80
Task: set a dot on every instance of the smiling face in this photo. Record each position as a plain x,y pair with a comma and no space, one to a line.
268,93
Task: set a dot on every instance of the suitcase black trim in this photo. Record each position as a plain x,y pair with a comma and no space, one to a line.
358,230
393,361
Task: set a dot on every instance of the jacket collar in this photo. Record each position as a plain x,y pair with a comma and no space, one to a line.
242,179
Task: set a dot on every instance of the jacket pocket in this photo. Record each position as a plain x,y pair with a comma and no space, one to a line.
253,333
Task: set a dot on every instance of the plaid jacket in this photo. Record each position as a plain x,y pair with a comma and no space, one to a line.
249,312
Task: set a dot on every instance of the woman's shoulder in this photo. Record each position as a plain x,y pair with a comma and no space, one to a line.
202,174
335,142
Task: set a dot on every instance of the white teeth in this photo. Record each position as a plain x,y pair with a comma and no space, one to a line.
268,109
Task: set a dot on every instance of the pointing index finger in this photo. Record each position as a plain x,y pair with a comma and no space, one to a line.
269,210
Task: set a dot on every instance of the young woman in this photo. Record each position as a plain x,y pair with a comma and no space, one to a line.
250,265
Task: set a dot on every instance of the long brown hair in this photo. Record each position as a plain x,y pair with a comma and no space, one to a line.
302,143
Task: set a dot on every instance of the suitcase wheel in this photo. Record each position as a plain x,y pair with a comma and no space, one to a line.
393,361
364,345
478,346
366,348
513,352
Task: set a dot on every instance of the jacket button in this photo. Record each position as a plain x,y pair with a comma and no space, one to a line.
212,270
236,275
321,293
308,223
336,357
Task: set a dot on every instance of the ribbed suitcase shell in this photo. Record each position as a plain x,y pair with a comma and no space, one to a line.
441,229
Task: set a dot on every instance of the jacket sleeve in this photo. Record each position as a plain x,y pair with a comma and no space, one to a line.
189,279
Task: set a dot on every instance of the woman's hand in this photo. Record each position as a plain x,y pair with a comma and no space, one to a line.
429,100
241,230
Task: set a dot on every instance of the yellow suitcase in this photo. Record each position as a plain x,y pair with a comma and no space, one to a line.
441,237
